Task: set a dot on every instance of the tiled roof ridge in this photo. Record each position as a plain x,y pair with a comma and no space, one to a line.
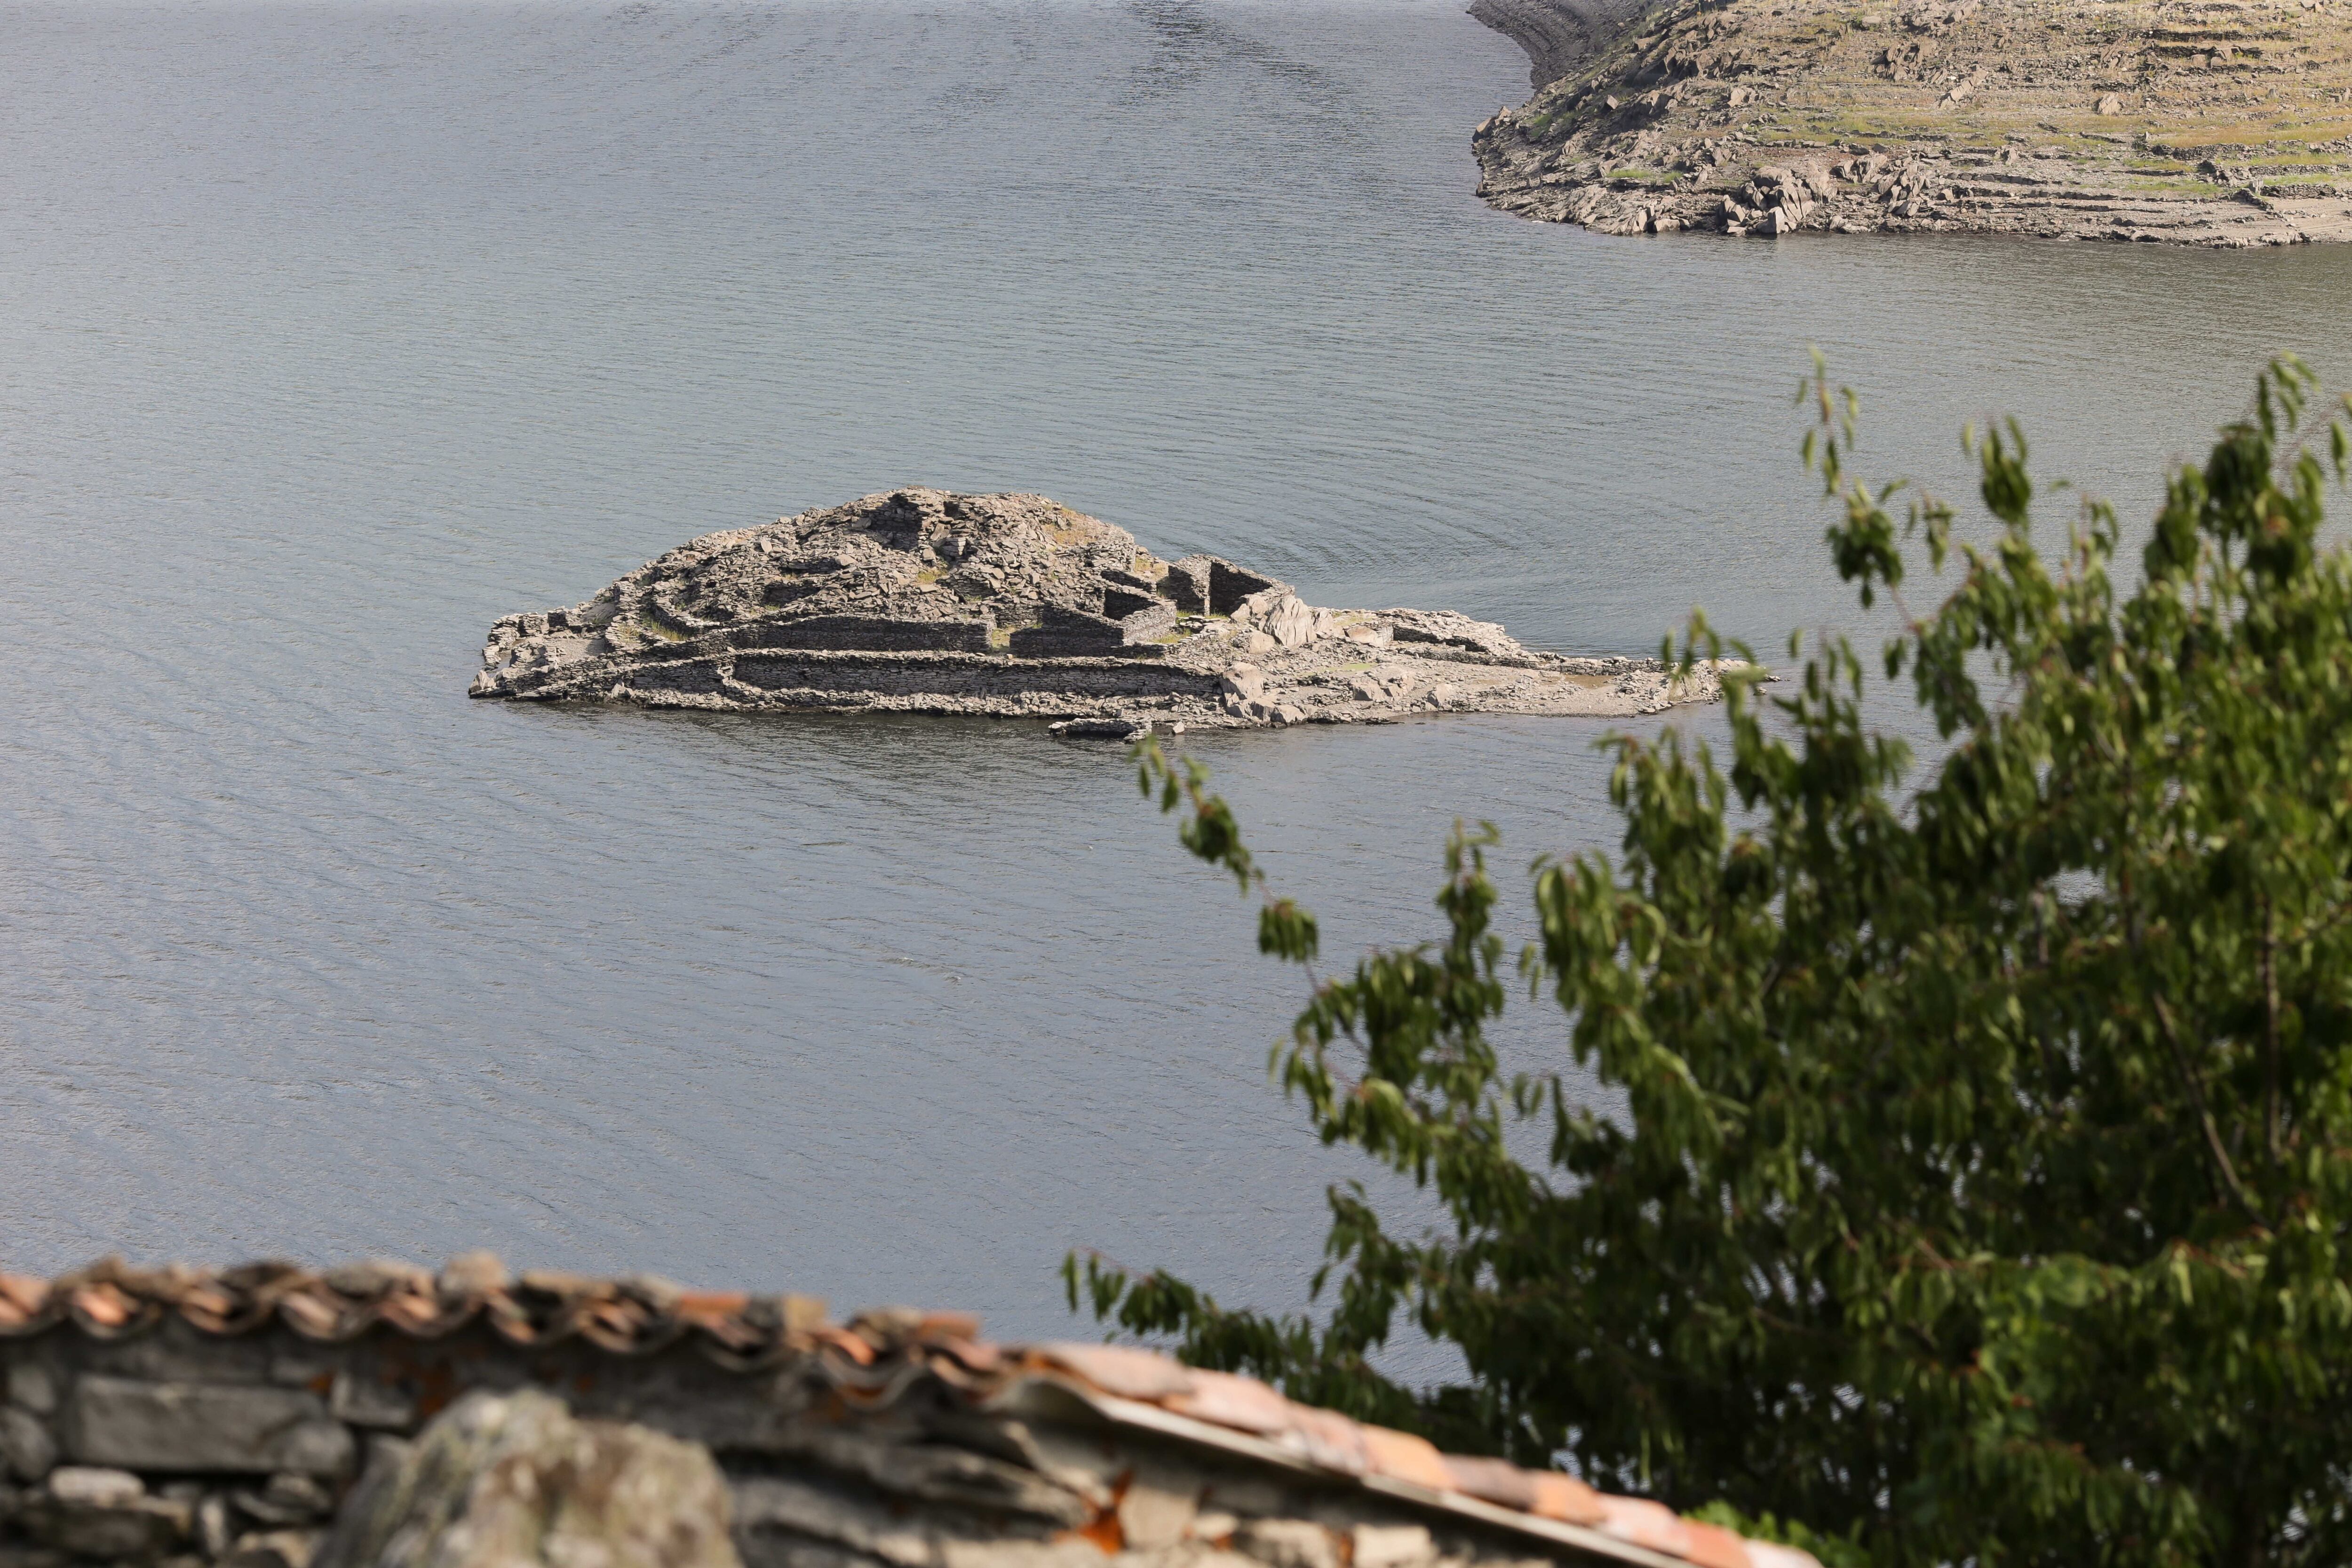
869,1360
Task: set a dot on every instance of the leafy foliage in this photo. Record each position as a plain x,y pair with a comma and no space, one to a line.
1981,1186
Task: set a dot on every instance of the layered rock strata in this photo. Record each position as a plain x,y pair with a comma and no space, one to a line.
1556,33
2209,122
1013,605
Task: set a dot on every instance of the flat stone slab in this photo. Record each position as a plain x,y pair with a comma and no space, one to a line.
204,1427
1015,606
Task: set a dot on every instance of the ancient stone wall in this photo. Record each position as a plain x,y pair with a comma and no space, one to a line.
1014,606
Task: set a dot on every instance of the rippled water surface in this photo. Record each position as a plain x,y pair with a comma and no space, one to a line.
329,333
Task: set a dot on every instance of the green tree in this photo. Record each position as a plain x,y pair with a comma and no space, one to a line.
1981,1188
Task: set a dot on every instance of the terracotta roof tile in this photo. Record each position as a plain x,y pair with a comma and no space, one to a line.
974,1355
1327,1439
470,1275
870,1361
1564,1497
1402,1456
312,1316
105,1305
851,1346
1711,1546
945,1327
1766,1554
21,1297
1645,1523
1222,1399
1493,1481
1119,1369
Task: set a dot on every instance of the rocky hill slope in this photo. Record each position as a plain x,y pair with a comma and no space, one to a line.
1013,605
2226,122
1556,33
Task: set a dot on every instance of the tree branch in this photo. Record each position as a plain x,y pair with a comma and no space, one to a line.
2270,1130
2227,1171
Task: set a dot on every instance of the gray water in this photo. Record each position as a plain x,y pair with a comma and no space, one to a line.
329,333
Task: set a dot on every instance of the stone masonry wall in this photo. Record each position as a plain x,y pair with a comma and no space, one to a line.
182,1448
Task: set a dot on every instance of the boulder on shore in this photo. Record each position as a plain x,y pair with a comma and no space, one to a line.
1013,605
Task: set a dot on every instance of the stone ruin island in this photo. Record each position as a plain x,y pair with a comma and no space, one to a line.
1015,606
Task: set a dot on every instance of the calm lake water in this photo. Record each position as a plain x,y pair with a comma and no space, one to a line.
331,333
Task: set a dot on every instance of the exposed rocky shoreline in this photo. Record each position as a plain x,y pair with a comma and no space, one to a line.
1013,605
2217,123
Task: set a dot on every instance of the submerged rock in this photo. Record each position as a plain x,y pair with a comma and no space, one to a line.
1013,605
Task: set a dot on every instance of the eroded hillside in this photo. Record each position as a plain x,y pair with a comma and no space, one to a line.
2215,123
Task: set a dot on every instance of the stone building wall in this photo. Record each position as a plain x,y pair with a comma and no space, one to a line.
185,1420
